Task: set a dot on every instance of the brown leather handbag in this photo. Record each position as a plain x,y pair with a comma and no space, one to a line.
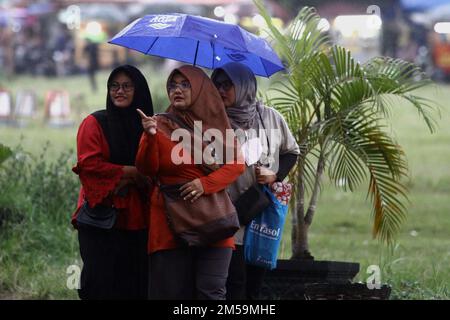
209,219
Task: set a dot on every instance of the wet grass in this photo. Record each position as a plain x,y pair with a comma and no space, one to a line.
37,248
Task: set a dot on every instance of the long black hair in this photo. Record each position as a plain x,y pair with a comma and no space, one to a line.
122,126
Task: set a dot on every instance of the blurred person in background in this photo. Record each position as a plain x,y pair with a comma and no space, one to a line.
63,51
91,52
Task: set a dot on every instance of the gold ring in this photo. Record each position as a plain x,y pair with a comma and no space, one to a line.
193,192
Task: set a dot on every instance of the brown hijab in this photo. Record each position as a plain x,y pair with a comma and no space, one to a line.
206,106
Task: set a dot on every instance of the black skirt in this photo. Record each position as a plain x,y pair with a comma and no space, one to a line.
115,264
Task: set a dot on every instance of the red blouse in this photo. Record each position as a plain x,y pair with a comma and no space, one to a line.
99,178
154,158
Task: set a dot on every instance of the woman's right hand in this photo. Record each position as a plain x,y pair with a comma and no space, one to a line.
130,176
129,172
148,123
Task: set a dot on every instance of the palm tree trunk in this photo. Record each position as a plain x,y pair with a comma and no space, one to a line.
300,244
299,213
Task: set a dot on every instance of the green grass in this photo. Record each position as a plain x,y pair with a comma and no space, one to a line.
35,253
418,267
83,101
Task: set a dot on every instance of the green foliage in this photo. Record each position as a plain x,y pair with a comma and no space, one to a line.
38,242
5,153
34,252
338,108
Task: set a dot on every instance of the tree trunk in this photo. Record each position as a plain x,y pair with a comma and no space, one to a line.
297,208
300,244
299,237
301,248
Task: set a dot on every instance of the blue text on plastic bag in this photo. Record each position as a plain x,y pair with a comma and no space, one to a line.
263,234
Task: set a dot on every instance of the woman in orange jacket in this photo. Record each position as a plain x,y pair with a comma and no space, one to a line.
177,271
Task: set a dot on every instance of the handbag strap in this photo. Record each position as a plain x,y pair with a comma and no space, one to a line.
265,133
183,125
175,119
179,122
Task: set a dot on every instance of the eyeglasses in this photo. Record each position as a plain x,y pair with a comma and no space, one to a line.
225,85
126,86
184,86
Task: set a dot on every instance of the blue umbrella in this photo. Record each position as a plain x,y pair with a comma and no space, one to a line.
200,41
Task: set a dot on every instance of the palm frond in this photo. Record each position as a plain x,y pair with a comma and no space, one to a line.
346,169
396,77
301,39
388,212
425,107
346,67
363,146
304,35
292,104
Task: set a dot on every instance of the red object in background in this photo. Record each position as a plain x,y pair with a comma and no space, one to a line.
57,104
441,52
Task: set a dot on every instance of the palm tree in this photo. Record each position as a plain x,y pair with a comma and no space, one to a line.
337,109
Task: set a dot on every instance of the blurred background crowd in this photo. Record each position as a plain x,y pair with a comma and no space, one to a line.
65,37
65,41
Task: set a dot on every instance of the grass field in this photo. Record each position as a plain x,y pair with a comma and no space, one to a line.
35,254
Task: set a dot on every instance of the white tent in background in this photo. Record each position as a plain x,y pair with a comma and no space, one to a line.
57,109
26,106
5,106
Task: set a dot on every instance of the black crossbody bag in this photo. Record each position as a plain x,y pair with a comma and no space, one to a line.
101,216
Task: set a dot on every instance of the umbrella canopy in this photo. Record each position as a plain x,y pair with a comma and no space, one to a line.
200,41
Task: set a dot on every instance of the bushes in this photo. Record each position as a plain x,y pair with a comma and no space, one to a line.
37,198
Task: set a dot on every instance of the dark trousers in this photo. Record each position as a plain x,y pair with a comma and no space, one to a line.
189,273
244,281
115,264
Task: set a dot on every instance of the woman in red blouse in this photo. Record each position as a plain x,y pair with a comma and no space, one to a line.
177,271
114,261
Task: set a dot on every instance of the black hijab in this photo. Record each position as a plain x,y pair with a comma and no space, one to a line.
123,128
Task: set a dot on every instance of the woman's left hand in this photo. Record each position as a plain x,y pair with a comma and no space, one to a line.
192,190
265,175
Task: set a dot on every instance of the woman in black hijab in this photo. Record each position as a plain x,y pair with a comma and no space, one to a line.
114,258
